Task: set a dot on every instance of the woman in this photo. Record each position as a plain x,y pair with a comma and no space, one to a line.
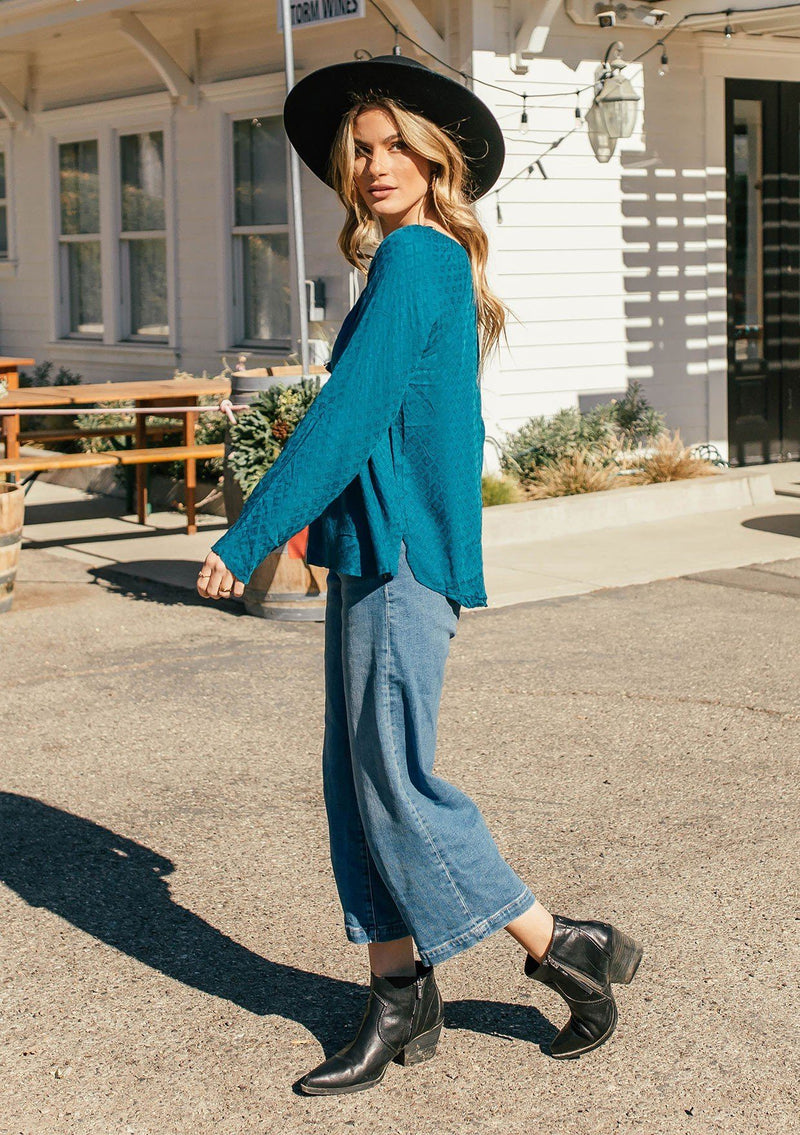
385,468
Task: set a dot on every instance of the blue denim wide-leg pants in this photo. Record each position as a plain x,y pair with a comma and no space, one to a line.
411,854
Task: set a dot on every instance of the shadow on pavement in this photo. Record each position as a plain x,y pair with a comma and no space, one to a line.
114,889
126,582
779,524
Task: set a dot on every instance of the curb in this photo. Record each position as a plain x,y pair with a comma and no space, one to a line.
614,508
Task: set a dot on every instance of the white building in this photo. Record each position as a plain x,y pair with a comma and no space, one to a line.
145,198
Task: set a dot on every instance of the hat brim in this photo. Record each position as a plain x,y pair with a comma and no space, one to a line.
314,107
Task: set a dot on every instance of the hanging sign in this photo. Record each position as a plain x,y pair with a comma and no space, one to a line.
305,12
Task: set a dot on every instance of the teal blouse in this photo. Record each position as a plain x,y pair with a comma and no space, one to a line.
391,448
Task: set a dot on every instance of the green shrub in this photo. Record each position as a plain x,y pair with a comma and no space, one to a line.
40,376
261,431
542,440
546,441
637,421
499,490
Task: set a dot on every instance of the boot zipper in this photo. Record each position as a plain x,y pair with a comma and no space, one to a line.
419,988
577,975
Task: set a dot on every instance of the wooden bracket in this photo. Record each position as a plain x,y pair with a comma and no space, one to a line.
14,111
178,83
532,36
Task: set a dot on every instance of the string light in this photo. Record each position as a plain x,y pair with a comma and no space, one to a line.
528,168
467,76
589,86
579,121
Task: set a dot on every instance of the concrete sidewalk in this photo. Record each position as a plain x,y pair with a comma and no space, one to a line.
96,531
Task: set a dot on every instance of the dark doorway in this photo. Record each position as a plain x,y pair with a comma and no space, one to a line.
763,221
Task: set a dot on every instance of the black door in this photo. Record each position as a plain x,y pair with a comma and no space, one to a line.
763,222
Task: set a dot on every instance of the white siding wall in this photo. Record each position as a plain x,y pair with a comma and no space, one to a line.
606,266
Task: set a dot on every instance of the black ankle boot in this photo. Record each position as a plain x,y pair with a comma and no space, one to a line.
398,1024
581,962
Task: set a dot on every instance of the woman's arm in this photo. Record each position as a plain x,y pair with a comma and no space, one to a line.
400,304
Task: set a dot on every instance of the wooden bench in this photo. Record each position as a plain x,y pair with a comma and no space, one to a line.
146,456
54,461
99,431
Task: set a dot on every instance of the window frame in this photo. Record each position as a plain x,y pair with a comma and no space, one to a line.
4,256
238,285
62,255
124,237
107,125
8,262
258,96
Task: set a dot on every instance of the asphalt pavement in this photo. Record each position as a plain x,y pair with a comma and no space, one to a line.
172,954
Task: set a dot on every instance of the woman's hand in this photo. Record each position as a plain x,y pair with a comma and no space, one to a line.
215,581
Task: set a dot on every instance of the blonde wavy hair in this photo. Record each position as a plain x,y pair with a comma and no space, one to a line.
447,195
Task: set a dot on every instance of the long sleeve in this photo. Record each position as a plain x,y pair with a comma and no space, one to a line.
397,311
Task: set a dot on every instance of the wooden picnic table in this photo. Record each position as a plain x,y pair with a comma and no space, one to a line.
163,395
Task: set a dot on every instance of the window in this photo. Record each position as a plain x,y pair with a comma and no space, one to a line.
79,239
261,233
3,209
143,237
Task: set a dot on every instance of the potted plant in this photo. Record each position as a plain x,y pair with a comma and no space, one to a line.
284,586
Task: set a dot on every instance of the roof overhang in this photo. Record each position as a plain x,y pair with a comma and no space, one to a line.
759,18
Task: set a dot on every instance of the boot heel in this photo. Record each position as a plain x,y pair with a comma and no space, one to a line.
625,957
421,1048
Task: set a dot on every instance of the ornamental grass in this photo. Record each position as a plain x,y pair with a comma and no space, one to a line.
582,471
669,460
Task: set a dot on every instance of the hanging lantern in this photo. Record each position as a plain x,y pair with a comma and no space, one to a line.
616,103
601,143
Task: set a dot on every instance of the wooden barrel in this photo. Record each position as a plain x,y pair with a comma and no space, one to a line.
12,509
246,384
284,586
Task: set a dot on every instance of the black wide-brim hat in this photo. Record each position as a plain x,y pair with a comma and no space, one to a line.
315,105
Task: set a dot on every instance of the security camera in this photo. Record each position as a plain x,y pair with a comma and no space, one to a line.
607,18
654,17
